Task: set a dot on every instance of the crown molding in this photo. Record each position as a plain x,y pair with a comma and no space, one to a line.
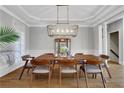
13,15
46,25
113,13
94,17
36,18
24,11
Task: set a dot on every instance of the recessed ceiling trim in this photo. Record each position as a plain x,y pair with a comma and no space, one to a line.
13,15
94,19
112,14
36,18
46,25
30,16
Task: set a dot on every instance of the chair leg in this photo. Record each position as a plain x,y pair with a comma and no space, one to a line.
32,77
103,80
86,79
95,76
49,79
77,80
60,79
21,73
28,70
107,69
80,72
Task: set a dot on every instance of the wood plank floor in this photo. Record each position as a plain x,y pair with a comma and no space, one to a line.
11,80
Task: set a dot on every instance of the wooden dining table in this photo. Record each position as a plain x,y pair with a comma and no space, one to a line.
52,58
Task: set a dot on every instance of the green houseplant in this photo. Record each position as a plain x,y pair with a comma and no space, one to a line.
7,35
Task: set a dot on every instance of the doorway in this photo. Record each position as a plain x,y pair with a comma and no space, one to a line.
114,46
62,46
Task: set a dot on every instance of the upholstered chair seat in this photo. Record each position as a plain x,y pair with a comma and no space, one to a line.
92,69
29,65
68,70
41,69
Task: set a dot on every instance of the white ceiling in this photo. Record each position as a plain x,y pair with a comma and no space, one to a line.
36,15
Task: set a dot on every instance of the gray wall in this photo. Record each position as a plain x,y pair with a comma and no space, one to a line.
39,41
84,41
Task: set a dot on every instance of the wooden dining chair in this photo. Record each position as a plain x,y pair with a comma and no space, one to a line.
79,55
52,54
93,67
52,61
105,63
41,67
68,66
27,65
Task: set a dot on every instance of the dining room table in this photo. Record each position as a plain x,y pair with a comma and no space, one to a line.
55,59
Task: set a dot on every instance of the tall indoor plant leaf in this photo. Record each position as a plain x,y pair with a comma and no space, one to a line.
8,35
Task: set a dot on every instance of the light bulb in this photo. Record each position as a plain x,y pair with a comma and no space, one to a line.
67,30
71,31
62,30
57,30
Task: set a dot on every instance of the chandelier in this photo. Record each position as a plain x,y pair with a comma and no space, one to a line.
62,29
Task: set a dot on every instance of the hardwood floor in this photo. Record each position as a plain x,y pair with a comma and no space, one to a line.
11,80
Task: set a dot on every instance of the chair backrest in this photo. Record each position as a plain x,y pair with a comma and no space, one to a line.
104,56
35,62
25,57
51,54
79,54
67,62
92,62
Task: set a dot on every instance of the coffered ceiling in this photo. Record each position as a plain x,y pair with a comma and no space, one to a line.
38,15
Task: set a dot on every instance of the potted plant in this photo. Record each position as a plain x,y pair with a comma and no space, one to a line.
7,36
63,51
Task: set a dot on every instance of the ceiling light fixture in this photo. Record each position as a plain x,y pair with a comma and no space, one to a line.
62,29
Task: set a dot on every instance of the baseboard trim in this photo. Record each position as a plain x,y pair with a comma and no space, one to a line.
4,71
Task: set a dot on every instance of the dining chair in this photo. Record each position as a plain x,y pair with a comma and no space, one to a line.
50,54
52,61
79,55
27,65
93,67
105,65
44,66
68,66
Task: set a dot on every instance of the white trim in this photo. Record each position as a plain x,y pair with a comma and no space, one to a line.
114,31
123,42
36,18
112,14
120,9
30,16
105,38
72,24
100,35
12,14
6,70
